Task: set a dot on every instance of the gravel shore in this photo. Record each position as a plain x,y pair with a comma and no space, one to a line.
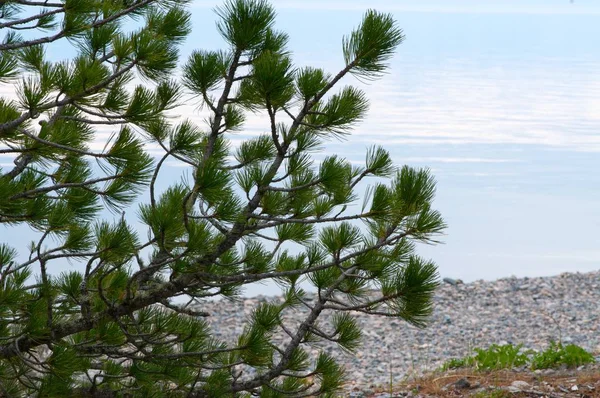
528,311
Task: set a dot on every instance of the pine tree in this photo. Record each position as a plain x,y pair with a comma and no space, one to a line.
115,324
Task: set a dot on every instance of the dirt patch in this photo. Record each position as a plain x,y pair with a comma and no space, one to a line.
501,384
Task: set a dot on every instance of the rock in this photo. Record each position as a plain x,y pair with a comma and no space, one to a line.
520,384
356,394
575,388
462,384
563,389
567,339
451,281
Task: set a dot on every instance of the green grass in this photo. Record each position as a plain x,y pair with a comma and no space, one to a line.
508,356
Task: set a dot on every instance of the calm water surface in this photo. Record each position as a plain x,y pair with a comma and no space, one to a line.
504,107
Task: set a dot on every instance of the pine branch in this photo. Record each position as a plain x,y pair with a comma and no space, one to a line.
68,100
35,3
206,240
12,24
34,192
62,33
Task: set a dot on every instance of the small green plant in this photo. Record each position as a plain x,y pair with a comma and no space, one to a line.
492,358
497,357
500,357
457,363
558,355
496,393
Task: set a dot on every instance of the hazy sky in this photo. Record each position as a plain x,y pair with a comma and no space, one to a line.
500,98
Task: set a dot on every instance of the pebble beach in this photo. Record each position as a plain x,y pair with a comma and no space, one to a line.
528,311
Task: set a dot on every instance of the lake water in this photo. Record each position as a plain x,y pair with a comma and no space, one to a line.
503,104
504,107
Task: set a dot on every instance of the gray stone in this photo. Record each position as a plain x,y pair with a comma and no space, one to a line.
462,384
451,281
520,384
567,339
